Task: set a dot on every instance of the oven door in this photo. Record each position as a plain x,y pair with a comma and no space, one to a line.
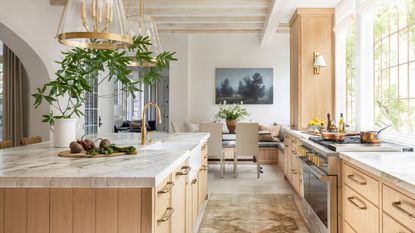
320,195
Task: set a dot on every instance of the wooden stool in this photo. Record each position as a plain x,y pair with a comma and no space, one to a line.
5,144
30,140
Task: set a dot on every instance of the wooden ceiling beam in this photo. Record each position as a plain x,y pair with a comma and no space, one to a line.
209,19
202,12
201,31
271,24
175,26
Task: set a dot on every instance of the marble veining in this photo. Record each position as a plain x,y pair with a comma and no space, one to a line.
39,166
394,167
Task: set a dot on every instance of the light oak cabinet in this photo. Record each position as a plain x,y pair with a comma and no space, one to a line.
311,30
292,166
372,205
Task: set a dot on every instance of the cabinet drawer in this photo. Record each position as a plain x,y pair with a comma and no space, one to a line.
362,183
360,213
392,226
347,228
399,206
163,192
163,215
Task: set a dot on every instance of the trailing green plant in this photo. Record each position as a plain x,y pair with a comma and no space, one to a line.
231,112
80,67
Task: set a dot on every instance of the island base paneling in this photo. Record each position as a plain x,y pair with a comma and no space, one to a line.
80,210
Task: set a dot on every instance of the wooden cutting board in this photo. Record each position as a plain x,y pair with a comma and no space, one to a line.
68,154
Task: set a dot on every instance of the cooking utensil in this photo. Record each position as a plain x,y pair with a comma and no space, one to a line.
338,137
372,136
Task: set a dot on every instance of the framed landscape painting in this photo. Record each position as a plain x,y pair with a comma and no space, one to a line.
246,85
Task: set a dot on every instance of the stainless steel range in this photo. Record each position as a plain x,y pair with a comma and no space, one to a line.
321,177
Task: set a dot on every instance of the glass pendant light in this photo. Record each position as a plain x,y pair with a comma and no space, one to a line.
97,24
145,25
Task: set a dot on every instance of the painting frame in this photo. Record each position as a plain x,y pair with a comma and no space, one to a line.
253,86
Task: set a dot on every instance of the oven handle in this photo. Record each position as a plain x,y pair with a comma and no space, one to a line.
311,167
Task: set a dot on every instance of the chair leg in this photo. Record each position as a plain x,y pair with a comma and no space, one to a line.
222,165
258,168
235,165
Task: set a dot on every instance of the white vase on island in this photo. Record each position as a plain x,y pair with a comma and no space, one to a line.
64,132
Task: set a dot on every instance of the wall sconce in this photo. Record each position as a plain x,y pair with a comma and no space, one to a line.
318,63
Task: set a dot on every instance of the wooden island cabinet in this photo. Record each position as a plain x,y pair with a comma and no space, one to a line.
109,204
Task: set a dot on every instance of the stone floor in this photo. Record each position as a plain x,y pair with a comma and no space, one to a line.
271,181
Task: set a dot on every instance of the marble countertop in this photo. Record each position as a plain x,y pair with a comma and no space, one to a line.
397,168
39,166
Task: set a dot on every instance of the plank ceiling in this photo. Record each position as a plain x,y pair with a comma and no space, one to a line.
264,17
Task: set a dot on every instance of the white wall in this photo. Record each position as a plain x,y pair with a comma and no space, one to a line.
29,29
209,51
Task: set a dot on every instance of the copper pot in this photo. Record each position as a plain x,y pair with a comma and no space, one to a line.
338,137
369,137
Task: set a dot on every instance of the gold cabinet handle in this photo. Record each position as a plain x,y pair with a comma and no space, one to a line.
194,181
185,170
286,145
204,168
294,140
398,205
166,216
351,177
167,188
293,171
204,147
351,200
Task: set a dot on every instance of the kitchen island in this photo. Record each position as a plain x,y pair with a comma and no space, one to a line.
161,189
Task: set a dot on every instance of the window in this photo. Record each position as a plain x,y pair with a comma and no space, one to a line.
394,66
350,116
128,108
91,109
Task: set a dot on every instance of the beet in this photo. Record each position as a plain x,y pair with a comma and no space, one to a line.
75,147
105,143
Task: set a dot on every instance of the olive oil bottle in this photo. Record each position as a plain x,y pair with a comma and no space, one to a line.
342,128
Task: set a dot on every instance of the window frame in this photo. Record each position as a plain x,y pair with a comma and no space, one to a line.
363,14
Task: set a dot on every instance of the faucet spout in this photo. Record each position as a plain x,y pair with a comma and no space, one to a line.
143,120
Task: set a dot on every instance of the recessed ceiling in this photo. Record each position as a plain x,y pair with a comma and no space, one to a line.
222,16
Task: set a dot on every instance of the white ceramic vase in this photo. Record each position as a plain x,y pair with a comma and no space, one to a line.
64,132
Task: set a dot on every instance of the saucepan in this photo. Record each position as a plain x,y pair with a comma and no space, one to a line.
372,136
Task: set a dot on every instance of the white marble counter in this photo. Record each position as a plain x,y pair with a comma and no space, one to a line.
39,166
397,168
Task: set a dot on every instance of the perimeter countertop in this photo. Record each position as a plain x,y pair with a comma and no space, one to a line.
397,168
39,166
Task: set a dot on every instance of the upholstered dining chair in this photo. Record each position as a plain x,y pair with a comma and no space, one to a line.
30,140
246,144
214,142
6,144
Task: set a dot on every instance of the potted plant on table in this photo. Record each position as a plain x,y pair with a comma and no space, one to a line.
75,77
232,113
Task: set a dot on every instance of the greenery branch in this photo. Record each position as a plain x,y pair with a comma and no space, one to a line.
80,68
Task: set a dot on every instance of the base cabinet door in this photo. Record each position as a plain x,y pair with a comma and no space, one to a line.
202,186
195,199
189,208
360,213
179,201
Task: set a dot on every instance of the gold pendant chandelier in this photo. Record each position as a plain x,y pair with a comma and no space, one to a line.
144,25
97,24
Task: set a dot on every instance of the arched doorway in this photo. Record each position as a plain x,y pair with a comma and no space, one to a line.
37,74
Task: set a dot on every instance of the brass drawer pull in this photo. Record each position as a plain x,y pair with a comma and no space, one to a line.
204,168
286,145
398,205
166,216
293,172
351,199
185,170
194,181
351,177
294,141
204,147
167,188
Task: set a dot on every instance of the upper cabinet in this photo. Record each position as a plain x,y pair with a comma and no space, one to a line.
312,95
